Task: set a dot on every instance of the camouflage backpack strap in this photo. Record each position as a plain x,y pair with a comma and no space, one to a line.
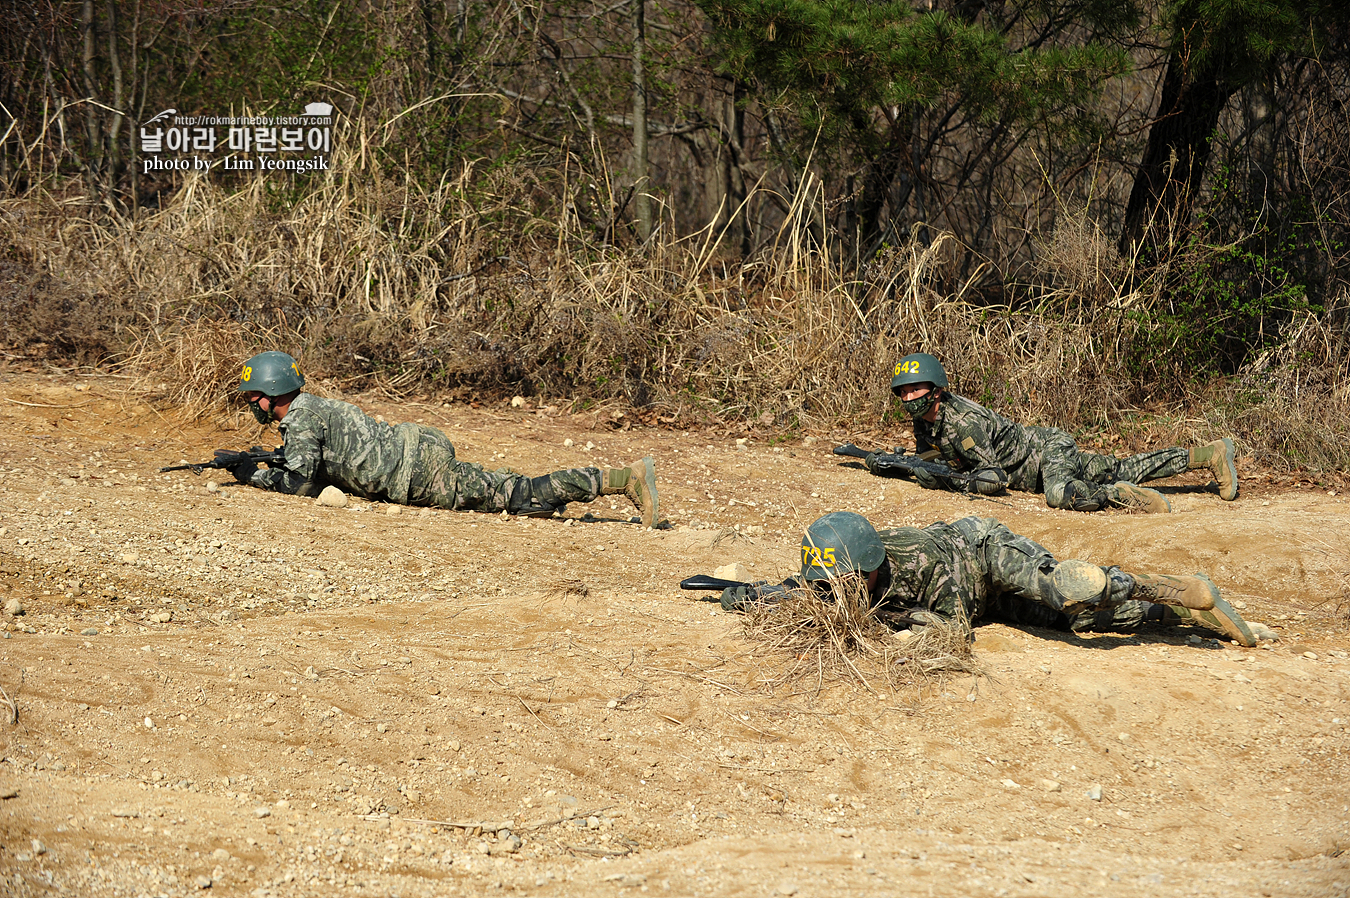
411,437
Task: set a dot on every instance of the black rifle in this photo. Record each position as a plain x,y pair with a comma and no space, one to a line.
762,591
225,460
756,592
985,481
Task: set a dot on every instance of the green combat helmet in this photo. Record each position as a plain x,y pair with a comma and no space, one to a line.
841,542
271,373
918,368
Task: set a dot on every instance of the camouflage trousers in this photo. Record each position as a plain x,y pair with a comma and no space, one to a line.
1009,578
439,480
1069,474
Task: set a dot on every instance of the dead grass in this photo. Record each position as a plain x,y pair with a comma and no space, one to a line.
377,283
826,637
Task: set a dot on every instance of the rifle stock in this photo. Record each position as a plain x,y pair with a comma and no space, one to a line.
703,581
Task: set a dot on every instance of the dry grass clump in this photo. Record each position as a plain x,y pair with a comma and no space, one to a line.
1292,404
842,635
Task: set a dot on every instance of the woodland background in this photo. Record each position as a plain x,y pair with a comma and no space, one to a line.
1131,220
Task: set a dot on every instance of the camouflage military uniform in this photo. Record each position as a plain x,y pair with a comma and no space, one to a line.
976,567
331,442
1036,459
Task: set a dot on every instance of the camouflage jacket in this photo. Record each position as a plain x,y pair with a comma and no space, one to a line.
943,568
332,442
970,436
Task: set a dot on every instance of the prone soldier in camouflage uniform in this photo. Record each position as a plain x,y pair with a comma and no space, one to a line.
977,568
1042,459
332,442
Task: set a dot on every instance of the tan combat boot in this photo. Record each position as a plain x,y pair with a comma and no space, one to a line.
638,483
1132,495
1197,593
1218,457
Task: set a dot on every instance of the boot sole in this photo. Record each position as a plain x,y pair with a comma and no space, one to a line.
1230,461
651,515
1225,620
1079,583
1144,493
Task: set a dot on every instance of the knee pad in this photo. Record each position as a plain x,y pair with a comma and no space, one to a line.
1079,585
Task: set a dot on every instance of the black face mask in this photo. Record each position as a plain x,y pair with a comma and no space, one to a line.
262,417
919,407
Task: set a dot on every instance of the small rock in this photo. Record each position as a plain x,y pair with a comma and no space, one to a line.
1262,632
612,704
14,607
568,443
332,497
90,631
734,571
38,847
130,558
149,723
220,855
518,402
786,888
1051,786
9,792
1311,656
1094,792
453,745
202,882
212,486
262,812
125,812
393,510
1011,784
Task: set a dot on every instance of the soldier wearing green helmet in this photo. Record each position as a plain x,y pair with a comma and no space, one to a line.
1042,459
331,442
976,568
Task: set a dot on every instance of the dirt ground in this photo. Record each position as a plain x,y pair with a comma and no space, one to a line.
227,689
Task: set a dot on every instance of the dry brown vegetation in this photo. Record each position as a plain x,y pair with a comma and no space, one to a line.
821,637
371,282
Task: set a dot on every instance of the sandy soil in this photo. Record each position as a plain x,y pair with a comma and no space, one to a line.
250,693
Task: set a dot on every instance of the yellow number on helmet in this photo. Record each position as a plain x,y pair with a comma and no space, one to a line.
247,374
813,557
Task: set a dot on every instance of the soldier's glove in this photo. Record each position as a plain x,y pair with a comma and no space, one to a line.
740,598
870,462
927,479
736,598
242,470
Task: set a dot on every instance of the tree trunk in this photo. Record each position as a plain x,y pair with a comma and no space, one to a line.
1178,150
642,200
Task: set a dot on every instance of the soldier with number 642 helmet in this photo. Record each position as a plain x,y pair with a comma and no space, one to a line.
1042,459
